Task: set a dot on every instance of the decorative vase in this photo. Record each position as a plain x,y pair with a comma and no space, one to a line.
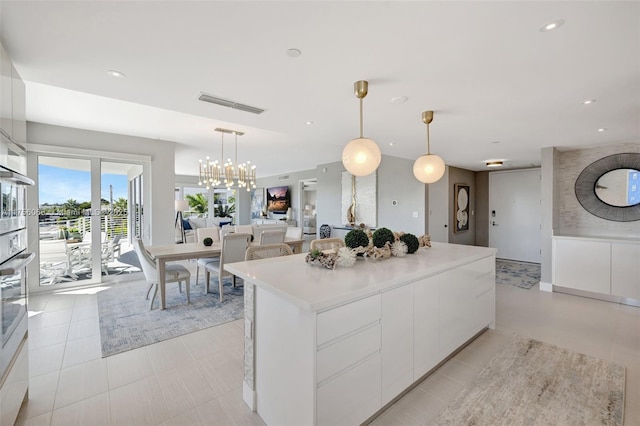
289,213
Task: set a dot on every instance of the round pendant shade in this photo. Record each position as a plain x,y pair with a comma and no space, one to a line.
428,168
361,157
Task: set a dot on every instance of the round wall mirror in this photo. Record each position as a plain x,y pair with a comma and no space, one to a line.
610,187
619,188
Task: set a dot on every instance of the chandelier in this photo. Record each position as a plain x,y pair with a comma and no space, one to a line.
230,173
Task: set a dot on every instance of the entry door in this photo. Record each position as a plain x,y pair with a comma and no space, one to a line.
514,214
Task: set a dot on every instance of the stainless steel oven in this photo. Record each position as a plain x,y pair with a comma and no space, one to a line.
14,258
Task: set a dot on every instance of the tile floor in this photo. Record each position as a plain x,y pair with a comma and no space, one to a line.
196,379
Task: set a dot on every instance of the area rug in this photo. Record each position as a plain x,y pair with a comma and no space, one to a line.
127,323
519,274
534,383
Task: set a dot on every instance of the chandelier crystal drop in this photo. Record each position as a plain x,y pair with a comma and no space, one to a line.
229,174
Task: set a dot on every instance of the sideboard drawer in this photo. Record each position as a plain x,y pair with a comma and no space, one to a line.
344,353
345,319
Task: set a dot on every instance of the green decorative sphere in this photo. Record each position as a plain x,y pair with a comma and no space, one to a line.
207,241
411,241
381,236
356,238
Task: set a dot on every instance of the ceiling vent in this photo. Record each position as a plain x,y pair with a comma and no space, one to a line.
230,104
283,177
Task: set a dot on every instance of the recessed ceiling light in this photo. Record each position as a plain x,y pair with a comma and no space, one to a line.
308,123
390,143
493,163
602,129
589,101
495,142
115,74
552,25
399,99
294,53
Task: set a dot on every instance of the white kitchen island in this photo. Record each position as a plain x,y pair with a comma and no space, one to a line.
335,346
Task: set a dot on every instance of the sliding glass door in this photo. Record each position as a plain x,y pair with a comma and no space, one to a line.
89,211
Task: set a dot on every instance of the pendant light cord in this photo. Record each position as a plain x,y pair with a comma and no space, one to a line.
428,141
361,137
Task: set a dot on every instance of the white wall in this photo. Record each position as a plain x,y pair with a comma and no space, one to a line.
395,182
292,180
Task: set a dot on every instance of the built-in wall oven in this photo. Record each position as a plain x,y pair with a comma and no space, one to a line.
14,258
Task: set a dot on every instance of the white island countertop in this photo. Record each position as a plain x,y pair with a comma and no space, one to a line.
313,288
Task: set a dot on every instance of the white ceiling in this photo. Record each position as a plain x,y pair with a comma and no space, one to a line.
500,88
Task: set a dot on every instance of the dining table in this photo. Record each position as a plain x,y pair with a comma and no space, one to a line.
175,252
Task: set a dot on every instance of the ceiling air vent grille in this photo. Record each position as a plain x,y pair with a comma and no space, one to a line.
283,177
230,104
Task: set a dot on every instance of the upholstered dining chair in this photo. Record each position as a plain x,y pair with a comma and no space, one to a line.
265,252
272,237
173,273
234,246
201,234
326,244
294,232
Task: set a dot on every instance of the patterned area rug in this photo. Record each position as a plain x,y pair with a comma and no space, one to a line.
534,383
127,323
519,274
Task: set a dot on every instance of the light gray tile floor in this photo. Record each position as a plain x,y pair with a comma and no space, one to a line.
181,381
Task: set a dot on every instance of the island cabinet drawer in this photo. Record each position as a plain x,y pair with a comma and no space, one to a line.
347,318
349,399
340,355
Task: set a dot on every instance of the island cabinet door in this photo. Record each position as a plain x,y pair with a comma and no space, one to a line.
425,325
397,341
466,303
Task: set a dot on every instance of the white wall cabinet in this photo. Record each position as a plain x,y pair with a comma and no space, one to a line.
597,265
12,101
625,269
5,93
18,109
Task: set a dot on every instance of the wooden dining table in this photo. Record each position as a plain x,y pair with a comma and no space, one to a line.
174,252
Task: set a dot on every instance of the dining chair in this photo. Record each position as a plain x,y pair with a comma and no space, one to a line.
272,237
173,273
202,233
267,251
233,248
326,244
294,232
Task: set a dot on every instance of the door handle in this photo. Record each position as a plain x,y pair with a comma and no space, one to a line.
494,223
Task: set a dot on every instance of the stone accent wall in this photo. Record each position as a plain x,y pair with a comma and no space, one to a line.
573,218
249,327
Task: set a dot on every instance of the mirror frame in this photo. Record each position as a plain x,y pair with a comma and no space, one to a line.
586,184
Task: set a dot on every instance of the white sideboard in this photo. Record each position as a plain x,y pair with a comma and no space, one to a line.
609,267
335,346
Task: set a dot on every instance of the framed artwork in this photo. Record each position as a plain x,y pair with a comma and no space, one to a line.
257,203
461,207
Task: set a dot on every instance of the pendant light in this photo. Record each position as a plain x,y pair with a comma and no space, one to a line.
428,168
361,156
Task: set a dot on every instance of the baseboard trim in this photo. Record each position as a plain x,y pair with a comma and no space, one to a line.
546,286
249,396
